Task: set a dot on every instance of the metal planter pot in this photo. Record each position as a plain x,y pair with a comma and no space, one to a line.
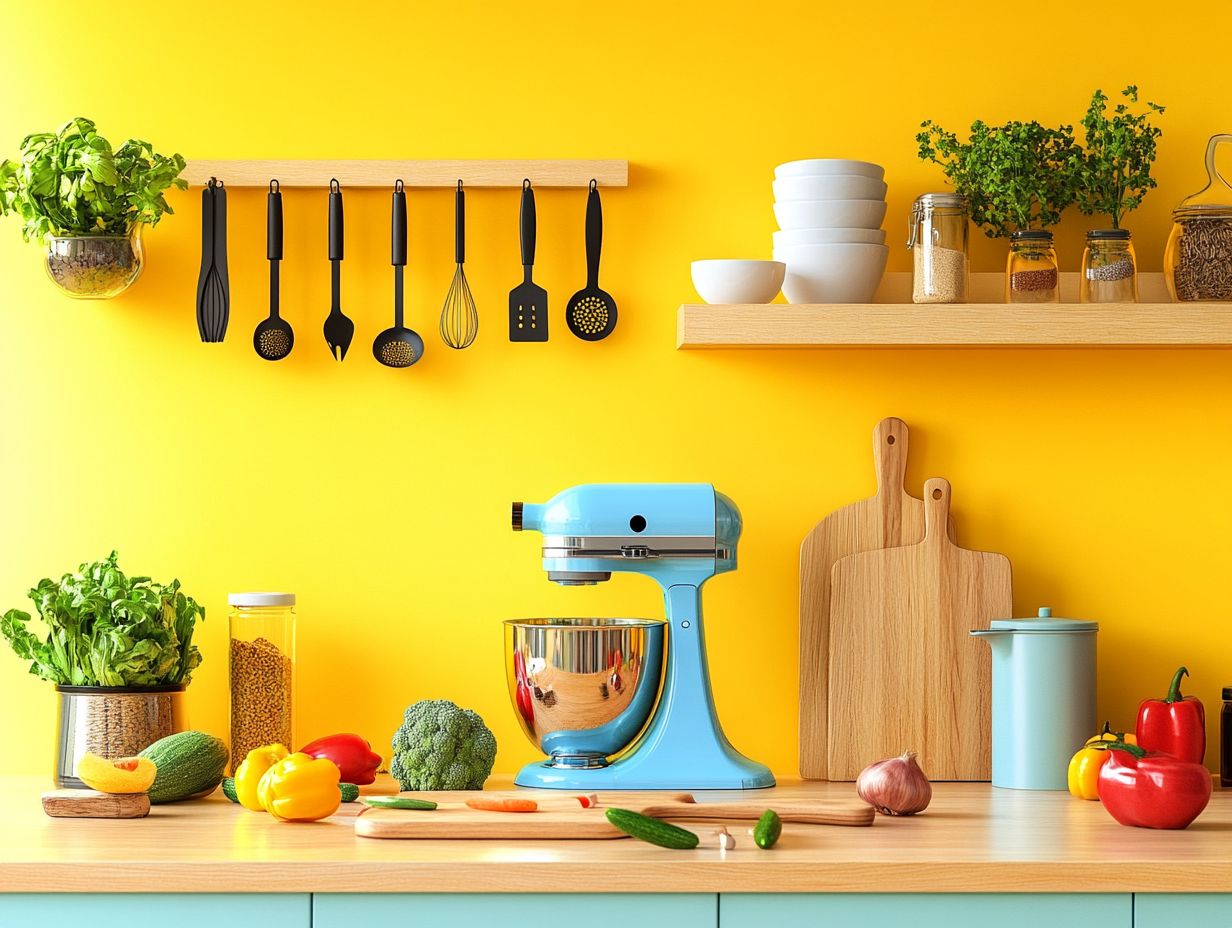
112,721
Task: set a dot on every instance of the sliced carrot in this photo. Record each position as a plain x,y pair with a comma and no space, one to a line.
503,805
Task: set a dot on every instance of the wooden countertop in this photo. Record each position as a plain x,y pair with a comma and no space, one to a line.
973,838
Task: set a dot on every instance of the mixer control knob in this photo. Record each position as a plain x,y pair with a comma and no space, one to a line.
635,552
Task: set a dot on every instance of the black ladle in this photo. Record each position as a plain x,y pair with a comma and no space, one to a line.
398,346
273,338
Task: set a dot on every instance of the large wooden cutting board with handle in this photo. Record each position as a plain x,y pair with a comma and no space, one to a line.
453,819
904,672
890,518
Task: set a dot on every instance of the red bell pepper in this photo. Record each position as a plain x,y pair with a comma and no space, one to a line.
1152,790
1173,725
352,754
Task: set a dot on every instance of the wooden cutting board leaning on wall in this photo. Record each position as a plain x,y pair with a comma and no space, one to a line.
890,518
904,672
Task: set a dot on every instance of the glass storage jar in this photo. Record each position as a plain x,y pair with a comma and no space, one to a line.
1109,268
938,243
262,671
1031,274
1198,260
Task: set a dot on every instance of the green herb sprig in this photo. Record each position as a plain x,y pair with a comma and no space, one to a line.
71,182
1115,171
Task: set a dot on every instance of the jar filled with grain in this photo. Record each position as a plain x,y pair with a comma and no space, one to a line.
1031,274
1198,260
262,671
1109,268
938,243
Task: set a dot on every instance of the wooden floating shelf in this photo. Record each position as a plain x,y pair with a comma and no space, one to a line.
893,322
472,173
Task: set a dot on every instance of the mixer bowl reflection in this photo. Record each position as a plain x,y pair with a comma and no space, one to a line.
584,689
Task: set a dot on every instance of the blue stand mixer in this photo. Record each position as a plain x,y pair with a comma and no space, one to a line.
585,688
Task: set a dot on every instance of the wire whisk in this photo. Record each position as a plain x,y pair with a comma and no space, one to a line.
459,317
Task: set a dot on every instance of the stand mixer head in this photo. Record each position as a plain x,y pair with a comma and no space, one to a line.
680,535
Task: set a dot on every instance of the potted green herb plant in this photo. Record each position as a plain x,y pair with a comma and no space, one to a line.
119,650
1113,176
88,202
1017,178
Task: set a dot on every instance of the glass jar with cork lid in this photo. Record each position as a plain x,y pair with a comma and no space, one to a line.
262,671
938,242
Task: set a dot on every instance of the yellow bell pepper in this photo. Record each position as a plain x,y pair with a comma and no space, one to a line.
1083,774
248,774
300,788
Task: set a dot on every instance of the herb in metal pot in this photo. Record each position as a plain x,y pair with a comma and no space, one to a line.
1115,171
71,182
107,629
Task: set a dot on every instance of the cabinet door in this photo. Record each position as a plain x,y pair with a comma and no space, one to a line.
433,910
1193,910
126,910
926,910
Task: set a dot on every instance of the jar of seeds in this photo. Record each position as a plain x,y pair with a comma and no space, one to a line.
1031,274
262,671
938,243
1109,269
1198,260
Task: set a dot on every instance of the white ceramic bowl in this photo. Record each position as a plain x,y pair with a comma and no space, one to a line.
829,187
737,281
847,273
829,237
830,214
830,166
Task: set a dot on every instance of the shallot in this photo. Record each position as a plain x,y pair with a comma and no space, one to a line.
896,786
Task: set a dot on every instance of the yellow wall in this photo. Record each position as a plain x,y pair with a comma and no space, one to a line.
381,497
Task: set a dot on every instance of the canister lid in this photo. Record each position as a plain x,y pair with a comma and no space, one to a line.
261,599
1045,622
1227,692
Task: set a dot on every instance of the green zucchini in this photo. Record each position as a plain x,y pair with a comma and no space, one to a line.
228,789
399,802
190,763
350,792
767,830
652,830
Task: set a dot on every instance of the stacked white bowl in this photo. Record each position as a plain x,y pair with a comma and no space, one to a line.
829,212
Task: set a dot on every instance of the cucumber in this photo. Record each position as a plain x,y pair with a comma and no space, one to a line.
767,830
399,802
188,763
651,829
350,792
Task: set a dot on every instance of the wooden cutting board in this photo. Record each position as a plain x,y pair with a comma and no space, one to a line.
904,672
888,519
87,803
453,819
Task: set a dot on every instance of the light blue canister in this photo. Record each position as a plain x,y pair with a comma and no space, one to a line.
1043,697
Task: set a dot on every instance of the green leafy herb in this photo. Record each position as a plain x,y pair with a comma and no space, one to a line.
1016,176
106,629
1115,171
71,182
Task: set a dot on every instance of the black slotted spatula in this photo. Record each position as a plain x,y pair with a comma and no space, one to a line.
528,302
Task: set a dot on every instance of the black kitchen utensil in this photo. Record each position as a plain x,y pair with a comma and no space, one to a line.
213,287
339,330
459,318
591,313
398,346
273,338
528,303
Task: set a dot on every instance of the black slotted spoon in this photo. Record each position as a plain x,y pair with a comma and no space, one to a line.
273,338
591,313
528,302
398,346
338,329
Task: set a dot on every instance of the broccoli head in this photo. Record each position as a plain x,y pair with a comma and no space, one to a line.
442,746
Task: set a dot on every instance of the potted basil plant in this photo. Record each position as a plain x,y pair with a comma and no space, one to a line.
88,202
119,650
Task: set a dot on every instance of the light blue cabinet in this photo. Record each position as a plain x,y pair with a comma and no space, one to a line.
1193,910
926,910
431,910
130,910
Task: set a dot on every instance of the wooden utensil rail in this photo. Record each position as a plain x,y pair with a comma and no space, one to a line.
413,173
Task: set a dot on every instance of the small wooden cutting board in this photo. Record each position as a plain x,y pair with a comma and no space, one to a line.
890,518
87,803
904,672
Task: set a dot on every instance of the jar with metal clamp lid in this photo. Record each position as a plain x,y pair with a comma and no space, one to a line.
1031,274
938,243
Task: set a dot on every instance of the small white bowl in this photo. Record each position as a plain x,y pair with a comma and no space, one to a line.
846,273
830,214
829,237
829,187
738,281
830,166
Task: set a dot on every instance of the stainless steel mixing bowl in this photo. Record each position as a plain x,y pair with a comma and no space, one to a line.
584,689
